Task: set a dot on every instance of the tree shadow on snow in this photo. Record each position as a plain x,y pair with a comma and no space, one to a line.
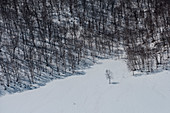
115,83
136,75
45,76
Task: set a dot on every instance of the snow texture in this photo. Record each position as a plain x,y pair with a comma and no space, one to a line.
91,93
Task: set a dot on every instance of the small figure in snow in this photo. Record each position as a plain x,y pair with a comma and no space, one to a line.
109,75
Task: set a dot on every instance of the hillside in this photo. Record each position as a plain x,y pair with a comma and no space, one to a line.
84,56
44,40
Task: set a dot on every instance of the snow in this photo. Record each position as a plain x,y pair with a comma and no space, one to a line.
91,93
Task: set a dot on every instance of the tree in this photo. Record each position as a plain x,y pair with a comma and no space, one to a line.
109,75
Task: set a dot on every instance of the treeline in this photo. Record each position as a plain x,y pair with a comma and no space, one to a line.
49,37
147,35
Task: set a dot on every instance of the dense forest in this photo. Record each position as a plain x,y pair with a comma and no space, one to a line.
52,38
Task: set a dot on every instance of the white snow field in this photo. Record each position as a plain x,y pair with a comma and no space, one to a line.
91,93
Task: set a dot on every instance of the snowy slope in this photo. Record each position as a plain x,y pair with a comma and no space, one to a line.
91,93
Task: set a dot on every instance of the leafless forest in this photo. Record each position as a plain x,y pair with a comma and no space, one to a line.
42,39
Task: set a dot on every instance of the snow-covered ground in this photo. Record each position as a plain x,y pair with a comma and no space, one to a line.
91,93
